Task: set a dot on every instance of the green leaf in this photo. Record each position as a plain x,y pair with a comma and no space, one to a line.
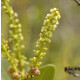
47,73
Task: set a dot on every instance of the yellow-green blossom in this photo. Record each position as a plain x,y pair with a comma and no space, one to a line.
15,38
16,59
15,32
6,53
49,25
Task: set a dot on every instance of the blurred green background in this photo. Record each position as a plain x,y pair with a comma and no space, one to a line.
64,50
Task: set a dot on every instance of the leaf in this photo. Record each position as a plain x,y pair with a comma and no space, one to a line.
47,73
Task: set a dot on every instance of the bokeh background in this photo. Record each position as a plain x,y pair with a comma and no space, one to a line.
64,50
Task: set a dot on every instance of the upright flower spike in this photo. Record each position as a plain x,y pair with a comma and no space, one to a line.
15,30
15,33
49,25
17,71
6,53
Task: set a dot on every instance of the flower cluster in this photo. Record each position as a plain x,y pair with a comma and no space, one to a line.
49,25
15,33
16,59
13,52
6,53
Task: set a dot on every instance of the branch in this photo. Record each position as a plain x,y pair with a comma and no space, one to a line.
77,1
71,70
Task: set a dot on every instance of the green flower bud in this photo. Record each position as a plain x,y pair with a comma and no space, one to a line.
38,64
11,25
11,11
4,7
16,20
15,15
19,25
15,36
19,30
41,35
36,52
22,46
42,55
48,16
34,58
45,49
47,22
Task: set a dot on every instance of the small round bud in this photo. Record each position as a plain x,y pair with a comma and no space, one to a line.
10,69
15,75
19,30
22,46
32,70
37,73
16,20
4,7
19,25
11,11
15,14
15,36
